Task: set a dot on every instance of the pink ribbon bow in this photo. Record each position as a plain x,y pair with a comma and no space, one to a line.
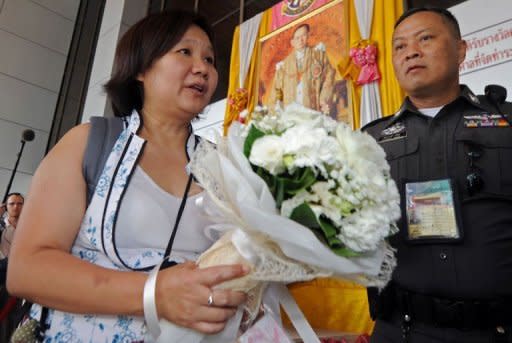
366,58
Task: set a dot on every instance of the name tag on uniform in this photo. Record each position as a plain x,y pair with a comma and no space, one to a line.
485,120
395,131
430,211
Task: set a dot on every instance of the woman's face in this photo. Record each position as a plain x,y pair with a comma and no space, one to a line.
183,80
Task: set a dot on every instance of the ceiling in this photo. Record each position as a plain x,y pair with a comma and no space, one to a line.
224,15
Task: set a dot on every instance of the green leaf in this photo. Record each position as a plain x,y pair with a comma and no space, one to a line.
333,241
285,186
303,214
329,230
326,231
269,179
252,136
299,180
345,252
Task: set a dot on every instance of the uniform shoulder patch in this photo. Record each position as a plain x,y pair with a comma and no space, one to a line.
375,122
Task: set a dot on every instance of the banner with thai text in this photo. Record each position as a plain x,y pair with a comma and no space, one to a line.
488,32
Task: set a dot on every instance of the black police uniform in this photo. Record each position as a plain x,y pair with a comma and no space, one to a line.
451,289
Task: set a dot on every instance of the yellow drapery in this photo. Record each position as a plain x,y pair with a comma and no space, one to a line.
385,14
333,304
251,78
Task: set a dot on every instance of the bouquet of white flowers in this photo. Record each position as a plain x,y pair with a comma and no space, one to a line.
296,196
325,176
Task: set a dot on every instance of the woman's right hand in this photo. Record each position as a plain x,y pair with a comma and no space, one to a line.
182,294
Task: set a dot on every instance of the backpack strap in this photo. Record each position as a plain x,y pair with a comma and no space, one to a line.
103,135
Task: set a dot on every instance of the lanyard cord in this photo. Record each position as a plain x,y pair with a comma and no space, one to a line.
167,263
176,223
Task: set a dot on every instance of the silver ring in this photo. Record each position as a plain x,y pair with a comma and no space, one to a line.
210,299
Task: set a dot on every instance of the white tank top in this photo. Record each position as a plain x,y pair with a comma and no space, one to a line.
147,216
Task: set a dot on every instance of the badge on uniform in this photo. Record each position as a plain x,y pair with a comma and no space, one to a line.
430,211
395,131
473,97
485,120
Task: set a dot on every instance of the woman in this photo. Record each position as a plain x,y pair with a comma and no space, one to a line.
86,263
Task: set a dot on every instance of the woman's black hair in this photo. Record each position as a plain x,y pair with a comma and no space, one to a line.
139,48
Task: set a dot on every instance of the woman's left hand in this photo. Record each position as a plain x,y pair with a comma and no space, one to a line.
186,295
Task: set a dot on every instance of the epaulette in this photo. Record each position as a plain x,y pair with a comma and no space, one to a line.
485,100
376,121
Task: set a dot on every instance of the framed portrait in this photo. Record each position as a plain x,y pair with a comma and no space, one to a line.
298,63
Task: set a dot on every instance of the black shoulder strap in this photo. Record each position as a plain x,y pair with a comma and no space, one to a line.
103,135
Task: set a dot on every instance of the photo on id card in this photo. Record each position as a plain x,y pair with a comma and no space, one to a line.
431,211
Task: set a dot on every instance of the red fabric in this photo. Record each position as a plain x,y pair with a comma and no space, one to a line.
360,339
363,339
333,340
8,307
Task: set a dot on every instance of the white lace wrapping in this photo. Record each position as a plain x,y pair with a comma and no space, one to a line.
249,230
277,248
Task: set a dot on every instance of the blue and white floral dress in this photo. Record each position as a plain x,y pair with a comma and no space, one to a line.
127,226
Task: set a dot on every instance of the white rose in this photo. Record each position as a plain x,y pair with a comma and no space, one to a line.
295,115
362,231
310,148
267,152
359,146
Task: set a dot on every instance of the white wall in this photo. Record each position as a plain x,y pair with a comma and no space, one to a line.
210,122
118,16
34,41
487,27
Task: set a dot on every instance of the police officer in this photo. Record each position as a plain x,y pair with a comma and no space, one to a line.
450,153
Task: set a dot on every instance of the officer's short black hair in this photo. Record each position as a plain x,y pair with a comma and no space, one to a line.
444,13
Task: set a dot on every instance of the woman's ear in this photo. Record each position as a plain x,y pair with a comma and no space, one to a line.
140,77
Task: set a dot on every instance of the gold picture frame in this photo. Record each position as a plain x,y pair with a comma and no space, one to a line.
284,76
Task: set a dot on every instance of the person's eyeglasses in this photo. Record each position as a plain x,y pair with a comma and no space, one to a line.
474,181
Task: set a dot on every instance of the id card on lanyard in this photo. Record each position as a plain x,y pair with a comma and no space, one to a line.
430,211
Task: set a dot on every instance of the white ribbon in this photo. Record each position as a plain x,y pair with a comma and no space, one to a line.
150,312
304,330
248,34
163,331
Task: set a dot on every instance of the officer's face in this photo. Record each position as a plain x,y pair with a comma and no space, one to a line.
427,55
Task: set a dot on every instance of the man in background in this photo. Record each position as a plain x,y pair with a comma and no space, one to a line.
12,207
10,308
450,154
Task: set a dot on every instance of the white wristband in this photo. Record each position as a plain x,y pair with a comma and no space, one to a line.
150,312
